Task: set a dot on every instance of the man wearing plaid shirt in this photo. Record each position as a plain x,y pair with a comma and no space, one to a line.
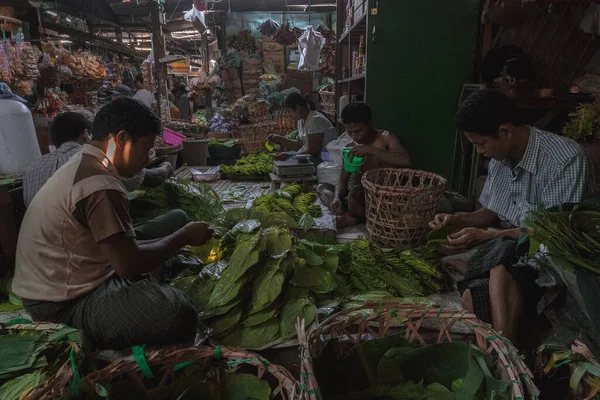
530,170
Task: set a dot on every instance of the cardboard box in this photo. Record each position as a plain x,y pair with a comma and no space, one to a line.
302,80
273,56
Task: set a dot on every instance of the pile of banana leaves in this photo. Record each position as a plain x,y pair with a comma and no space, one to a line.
392,368
30,354
198,200
294,200
573,237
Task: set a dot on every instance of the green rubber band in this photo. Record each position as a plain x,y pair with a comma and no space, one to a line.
182,365
493,337
218,354
18,321
76,379
140,359
563,362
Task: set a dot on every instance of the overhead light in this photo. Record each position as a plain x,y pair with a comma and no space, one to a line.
36,4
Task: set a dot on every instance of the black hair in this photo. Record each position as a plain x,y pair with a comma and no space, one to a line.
295,99
125,114
484,111
139,78
68,127
357,113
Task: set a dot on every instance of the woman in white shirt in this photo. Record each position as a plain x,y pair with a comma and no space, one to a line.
315,131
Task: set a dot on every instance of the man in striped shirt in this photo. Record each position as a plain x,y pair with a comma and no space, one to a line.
530,170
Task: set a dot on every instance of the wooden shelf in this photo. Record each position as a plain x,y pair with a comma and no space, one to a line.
354,78
359,27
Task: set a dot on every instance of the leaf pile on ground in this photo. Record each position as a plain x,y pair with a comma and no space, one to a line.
198,200
253,165
295,200
30,355
392,368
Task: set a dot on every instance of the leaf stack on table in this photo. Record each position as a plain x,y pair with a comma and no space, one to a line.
253,166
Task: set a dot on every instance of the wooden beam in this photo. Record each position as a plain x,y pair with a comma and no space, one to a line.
74,34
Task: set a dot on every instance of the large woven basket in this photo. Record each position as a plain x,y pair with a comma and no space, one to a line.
165,365
284,122
423,325
400,203
253,137
508,12
259,112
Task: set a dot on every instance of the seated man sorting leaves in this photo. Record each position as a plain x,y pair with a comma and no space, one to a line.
77,248
530,170
379,148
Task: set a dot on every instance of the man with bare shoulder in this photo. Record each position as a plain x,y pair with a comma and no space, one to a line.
379,148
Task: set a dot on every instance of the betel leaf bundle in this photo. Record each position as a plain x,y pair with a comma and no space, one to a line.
198,200
392,368
262,282
295,200
400,271
253,165
571,236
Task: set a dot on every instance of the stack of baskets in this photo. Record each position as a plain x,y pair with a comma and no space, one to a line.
421,325
259,112
400,203
284,122
252,71
156,373
254,137
328,101
233,84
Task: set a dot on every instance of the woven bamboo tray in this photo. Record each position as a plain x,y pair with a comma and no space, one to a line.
165,363
400,203
423,325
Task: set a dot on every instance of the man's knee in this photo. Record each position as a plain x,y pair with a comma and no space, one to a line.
500,273
179,217
467,301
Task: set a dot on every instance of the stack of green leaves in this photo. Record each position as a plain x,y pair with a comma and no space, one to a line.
253,165
198,200
29,356
262,283
573,237
401,272
294,200
392,368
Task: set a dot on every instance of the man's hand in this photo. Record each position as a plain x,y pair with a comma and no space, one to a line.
361,150
442,221
197,233
336,207
168,169
470,237
281,156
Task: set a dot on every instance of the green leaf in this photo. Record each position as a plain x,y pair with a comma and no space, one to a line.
331,262
438,235
306,222
226,289
279,242
18,388
317,279
101,391
255,337
215,312
227,322
249,226
243,258
267,285
261,316
303,308
312,258
246,387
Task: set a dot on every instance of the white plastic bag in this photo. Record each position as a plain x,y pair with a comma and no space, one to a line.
197,18
329,172
310,45
336,146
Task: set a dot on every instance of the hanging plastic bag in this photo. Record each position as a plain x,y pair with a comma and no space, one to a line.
310,45
197,16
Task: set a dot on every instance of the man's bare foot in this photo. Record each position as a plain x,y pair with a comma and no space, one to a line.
325,195
345,220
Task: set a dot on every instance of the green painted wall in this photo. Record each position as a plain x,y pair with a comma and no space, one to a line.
420,57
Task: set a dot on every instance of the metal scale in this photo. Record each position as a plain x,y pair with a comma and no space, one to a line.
292,171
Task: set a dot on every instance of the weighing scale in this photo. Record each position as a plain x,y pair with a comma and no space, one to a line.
293,169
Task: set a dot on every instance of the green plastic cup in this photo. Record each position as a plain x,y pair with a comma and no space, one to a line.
351,163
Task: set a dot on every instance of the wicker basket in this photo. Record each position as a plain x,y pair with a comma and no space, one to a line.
400,203
422,325
219,135
284,122
166,362
510,12
254,137
259,112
